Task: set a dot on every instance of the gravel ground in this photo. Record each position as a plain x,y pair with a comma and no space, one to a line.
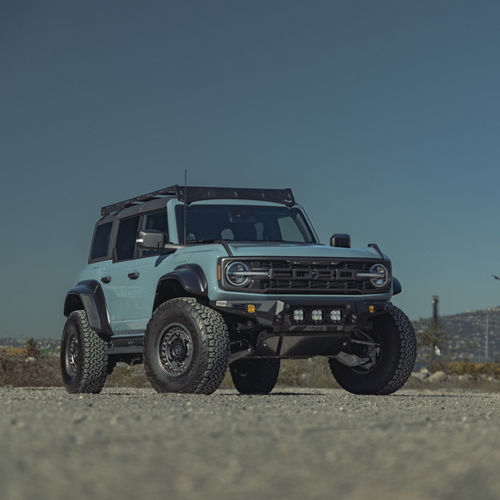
294,444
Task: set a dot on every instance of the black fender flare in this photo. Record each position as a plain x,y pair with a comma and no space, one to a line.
396,286
190,277
89,295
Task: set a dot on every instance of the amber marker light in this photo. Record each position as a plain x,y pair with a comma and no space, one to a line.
251,308
219,274
371,309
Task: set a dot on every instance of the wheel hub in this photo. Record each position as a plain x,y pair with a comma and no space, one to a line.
176,350
72,355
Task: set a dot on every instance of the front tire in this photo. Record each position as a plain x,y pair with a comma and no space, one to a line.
186,347
255,376
84,362
392,348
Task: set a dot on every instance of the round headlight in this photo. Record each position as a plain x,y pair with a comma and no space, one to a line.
383,278
237,274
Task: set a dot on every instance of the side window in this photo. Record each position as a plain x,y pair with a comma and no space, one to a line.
125,241
157,221
100,245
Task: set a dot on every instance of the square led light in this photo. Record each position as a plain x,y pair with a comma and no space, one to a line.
335,315
317,315
298,315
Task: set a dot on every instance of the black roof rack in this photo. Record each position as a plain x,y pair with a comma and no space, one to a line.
116,207
189,194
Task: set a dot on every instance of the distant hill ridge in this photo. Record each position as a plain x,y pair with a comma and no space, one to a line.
467,334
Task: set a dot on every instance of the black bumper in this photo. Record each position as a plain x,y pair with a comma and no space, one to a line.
277,316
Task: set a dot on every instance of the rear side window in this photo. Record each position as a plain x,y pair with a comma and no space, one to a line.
125,241
100,246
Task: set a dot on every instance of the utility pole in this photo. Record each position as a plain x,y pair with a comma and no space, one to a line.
435,311
435,351
487,336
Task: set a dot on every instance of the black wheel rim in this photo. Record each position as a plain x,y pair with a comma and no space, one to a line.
72,355
368,346
175,350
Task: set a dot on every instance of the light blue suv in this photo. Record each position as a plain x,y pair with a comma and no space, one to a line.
191,280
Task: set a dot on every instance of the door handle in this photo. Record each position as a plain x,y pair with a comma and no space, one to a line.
133,276
106,279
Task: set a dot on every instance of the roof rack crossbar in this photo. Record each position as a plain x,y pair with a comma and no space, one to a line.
195,193
116,207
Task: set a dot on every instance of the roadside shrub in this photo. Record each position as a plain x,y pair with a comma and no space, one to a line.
475,370
20,371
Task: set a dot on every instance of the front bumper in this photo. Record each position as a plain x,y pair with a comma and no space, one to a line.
279,317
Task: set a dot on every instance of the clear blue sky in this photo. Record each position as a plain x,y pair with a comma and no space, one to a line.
384,118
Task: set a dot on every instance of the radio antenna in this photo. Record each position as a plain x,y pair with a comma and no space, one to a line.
185,205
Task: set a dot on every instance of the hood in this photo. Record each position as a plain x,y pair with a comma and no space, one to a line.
263,249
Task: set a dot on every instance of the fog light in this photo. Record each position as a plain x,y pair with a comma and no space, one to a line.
317,315
298,315
335,315
251,308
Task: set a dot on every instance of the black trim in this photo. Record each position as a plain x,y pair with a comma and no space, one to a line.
277,315
126,344
362,286
89,294
396,286
190,276
195,193
190,194
377,248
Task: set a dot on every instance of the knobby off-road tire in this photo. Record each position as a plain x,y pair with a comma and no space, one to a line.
398,350
186,347
255,376
84,362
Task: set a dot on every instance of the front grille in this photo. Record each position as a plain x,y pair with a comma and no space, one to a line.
320,276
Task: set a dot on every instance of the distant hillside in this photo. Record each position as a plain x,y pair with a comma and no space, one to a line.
466,333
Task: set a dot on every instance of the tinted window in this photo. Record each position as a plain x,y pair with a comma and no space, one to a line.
125,241
101,241
243,223
157,221
290,230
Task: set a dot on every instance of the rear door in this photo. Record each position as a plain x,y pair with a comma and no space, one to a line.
120,309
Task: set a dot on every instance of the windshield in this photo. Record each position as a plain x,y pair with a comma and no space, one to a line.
243,223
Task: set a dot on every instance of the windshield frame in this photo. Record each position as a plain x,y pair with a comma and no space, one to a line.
296,210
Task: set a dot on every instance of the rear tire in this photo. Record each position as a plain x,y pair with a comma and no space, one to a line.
84,362
186,347
255,376
392,366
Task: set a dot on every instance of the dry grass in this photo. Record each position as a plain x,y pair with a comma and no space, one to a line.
16,371
475,370
19,371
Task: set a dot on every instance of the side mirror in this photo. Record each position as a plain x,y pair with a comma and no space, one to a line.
151,239
340,240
